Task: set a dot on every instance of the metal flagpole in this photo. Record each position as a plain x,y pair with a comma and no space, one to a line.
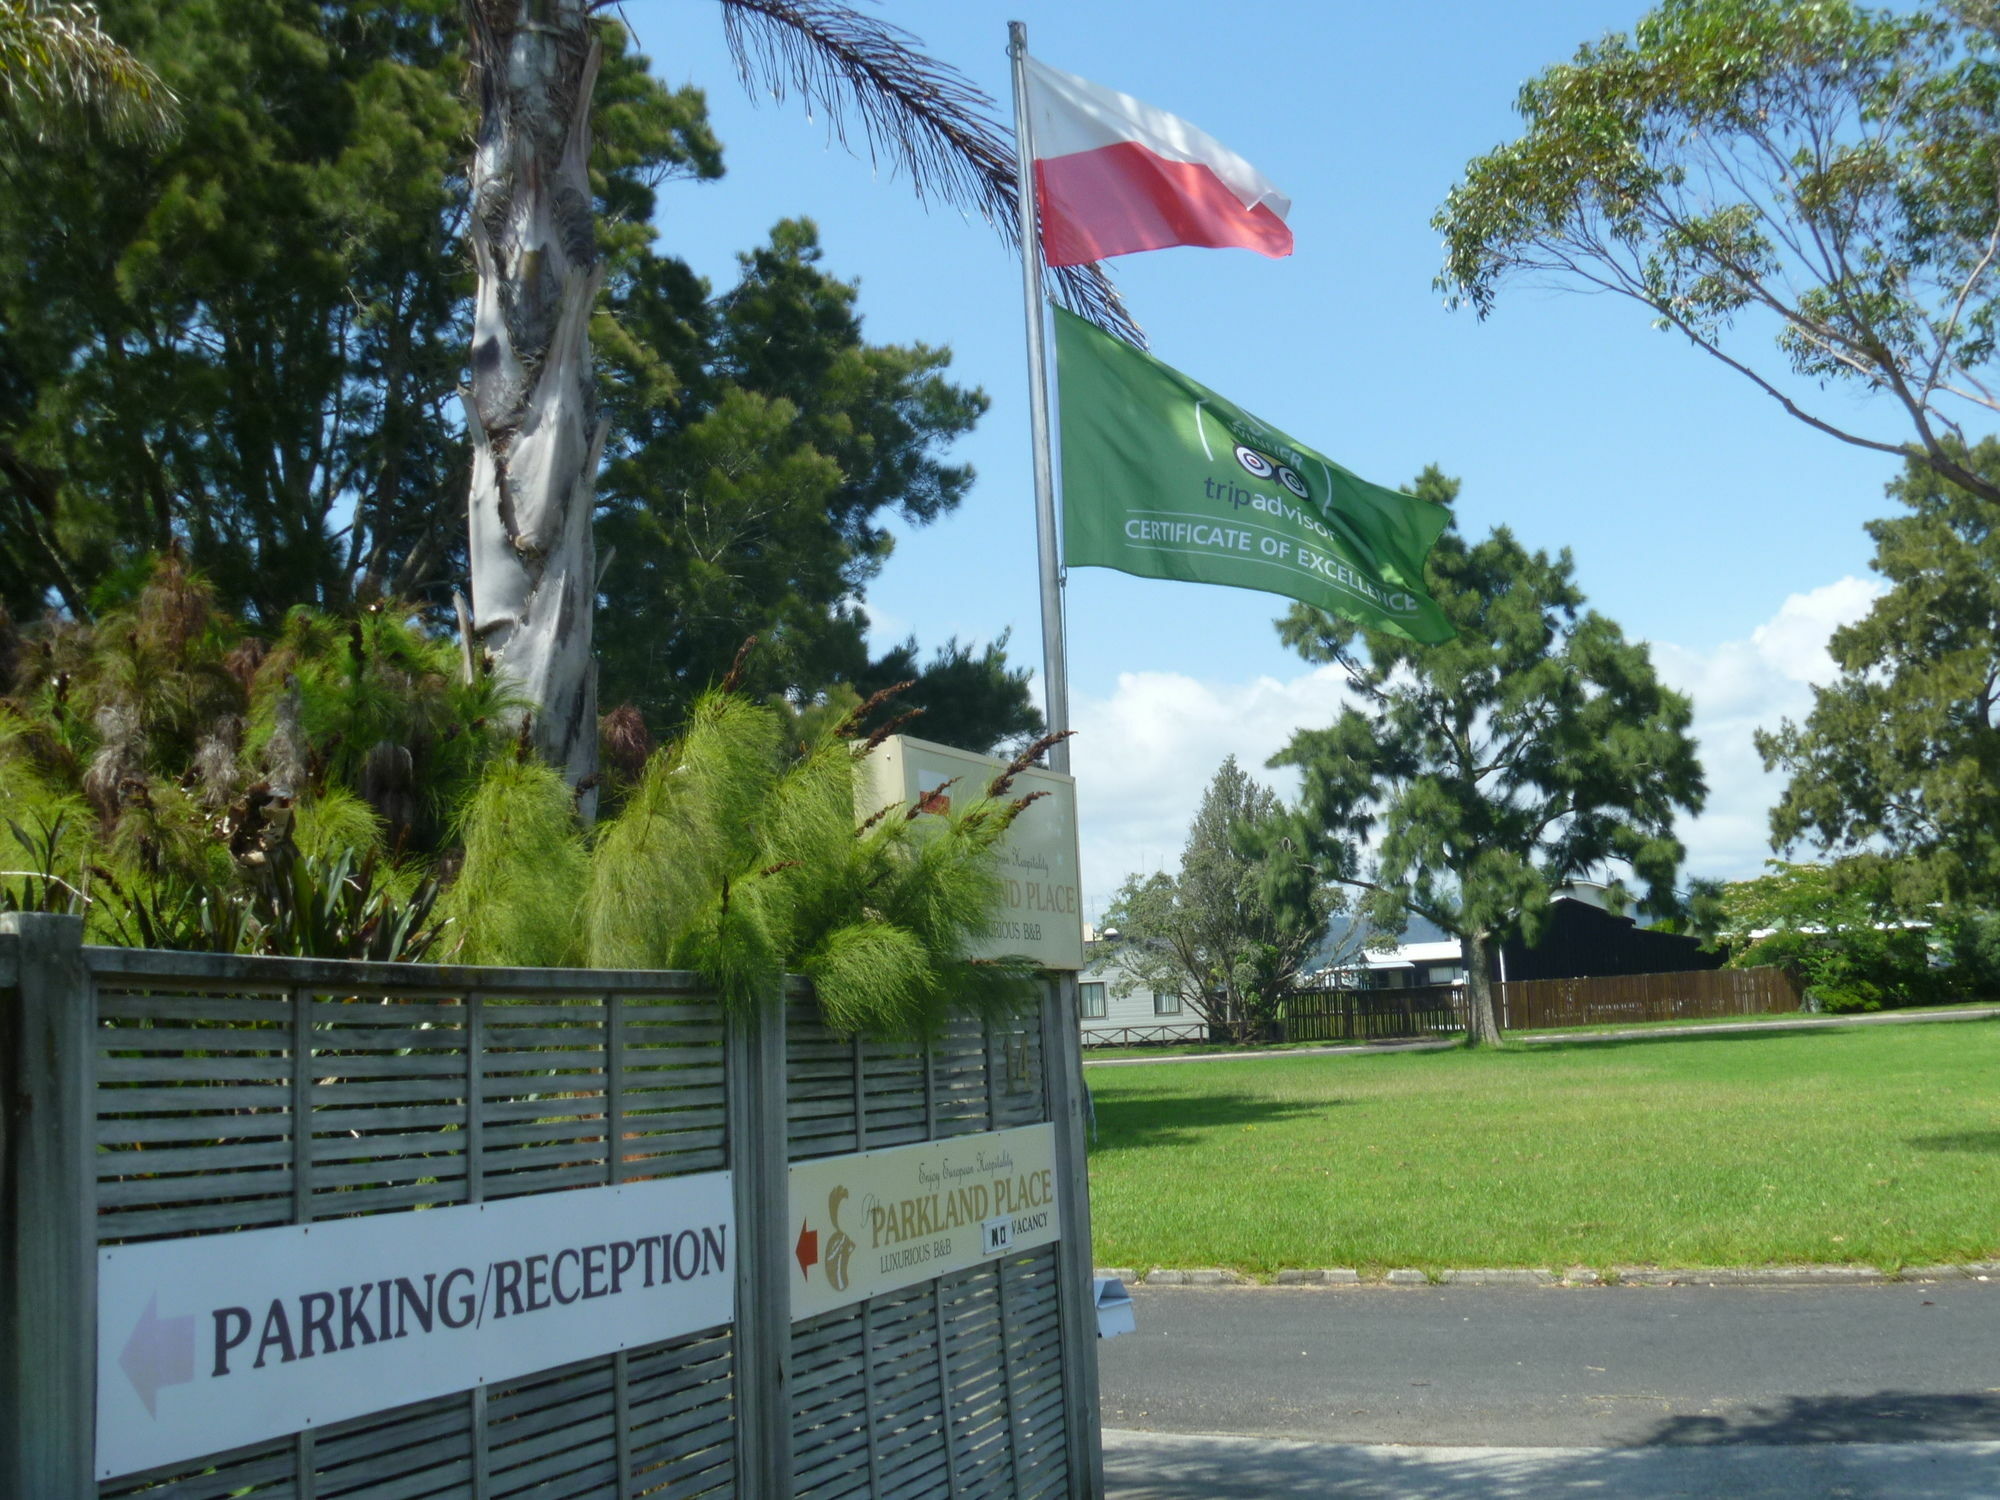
1055,656
1060,1027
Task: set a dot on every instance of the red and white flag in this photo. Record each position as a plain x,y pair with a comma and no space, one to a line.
1114,175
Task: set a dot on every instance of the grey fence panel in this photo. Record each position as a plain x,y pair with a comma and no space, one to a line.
954,1386
217,1094
411,1453
236,1093
681,1400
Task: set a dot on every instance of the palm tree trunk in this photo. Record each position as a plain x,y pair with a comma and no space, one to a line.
532,408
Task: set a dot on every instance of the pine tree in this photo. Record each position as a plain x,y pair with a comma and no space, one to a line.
1232,932
1898,764
1537,746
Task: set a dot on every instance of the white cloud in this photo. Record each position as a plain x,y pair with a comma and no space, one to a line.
1745,685
1144,755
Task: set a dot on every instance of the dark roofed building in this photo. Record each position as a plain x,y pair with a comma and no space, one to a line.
1581,940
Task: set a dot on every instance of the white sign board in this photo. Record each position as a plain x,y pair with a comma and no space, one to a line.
1043,915
213,1342
874,1221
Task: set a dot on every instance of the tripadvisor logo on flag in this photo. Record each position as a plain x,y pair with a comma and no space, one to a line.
1163,478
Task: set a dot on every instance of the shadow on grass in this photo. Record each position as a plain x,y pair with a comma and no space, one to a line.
1880,1417
1690,1037
1986,1142
1154,1119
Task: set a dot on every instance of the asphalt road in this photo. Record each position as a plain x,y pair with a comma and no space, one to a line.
1563,1367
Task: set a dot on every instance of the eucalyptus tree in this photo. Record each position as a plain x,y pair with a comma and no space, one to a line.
1823,171
532,408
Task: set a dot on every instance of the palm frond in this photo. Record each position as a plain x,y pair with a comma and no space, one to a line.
926,118
56,58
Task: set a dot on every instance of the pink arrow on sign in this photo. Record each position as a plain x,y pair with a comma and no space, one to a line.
159,1353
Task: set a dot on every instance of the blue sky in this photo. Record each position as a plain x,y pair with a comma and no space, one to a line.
1702,518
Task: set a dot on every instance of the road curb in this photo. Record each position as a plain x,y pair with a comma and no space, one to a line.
1575,1276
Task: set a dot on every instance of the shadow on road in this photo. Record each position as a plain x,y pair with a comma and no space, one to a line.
1149,1466
1883,1417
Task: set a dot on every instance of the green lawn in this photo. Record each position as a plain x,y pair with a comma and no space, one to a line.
1877,1145
1599,1027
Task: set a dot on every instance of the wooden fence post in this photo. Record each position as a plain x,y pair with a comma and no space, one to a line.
754,1068
48,1211
1076,1307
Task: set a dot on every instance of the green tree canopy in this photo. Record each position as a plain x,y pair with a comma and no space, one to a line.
1818,168
248,343
1538,746
1899,759
757,464
1231,932
970,699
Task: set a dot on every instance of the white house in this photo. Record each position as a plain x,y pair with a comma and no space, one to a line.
1109,1019
1411,964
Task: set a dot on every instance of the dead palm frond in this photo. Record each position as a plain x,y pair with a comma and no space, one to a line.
924,117
55,59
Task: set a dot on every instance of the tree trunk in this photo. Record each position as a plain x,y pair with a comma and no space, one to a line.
1481,1027
532,409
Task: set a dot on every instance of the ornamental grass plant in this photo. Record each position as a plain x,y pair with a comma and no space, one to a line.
745,859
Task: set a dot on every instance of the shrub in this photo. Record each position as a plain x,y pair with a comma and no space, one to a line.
1850,969
1832,928
1973,955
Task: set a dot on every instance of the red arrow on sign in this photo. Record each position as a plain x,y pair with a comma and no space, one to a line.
808,1249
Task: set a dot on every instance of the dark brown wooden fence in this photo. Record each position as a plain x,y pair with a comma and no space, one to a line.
1712,994
1329,1015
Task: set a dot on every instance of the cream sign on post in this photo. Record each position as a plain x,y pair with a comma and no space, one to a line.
210,1343
1042,916
874,1221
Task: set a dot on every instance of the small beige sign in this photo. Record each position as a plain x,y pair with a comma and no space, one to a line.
874,1221
1042,915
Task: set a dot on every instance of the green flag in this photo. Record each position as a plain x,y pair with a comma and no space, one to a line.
1165,479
